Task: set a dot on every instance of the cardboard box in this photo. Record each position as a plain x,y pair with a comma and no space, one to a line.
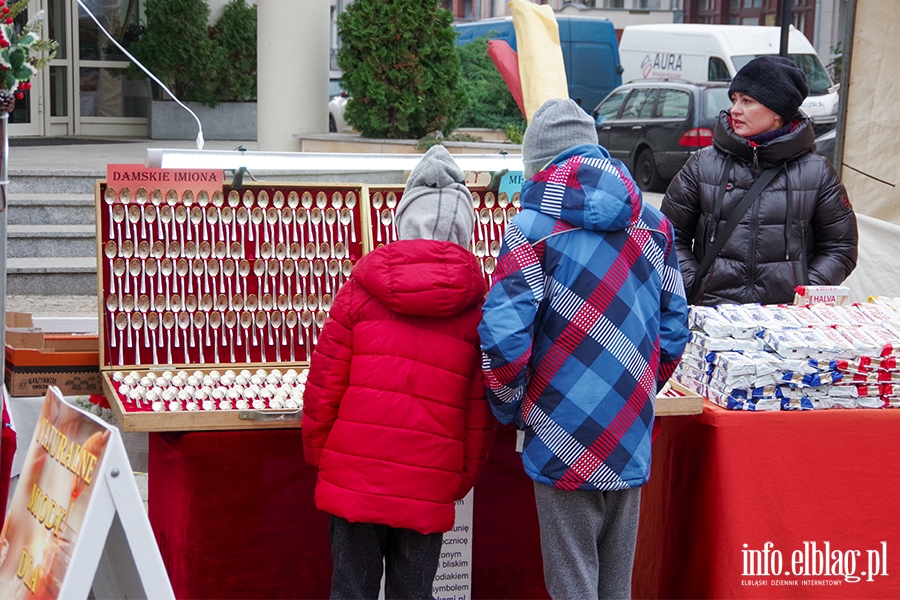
18,319
35,360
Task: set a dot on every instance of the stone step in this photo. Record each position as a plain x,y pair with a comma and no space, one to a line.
51,209
42,241
54,182
51,276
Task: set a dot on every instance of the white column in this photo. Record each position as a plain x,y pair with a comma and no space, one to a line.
292,46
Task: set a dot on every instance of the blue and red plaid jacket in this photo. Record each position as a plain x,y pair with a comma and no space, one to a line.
586,318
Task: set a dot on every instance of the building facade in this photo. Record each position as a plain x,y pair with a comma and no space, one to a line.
88,90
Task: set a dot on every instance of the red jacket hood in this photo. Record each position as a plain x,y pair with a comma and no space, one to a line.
422,277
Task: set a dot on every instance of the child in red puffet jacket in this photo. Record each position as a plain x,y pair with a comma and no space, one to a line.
395,416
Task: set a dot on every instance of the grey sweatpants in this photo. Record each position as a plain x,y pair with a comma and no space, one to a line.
587,541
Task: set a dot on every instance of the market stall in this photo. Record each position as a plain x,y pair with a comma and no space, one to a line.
784,485
730,488
211,301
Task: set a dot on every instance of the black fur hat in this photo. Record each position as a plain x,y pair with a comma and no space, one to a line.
773,81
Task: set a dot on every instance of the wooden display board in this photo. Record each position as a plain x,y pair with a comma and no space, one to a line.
202,278
76,521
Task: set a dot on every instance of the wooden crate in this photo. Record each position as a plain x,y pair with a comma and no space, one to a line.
133,418
678,400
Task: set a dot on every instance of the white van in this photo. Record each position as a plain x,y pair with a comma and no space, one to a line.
696,52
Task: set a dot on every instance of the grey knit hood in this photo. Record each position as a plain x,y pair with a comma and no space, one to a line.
436,204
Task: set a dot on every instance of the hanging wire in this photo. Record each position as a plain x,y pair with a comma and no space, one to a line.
149,74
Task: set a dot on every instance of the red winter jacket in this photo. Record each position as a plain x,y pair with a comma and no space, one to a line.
394,413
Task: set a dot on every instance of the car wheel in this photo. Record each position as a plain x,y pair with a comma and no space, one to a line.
332,126
645,173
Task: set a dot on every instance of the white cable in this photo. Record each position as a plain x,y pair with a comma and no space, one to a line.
147,71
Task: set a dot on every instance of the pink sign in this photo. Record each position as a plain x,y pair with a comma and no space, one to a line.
134,177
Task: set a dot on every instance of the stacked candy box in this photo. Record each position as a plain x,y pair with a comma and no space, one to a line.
755,357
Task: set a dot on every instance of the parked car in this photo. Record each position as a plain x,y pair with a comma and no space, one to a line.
654,126
337,101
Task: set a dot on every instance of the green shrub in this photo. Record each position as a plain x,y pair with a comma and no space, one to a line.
492,104
235,35
400,68
177,49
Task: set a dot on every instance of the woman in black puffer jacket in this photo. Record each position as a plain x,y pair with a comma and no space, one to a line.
801,229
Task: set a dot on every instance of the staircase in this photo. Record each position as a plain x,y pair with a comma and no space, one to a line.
51,242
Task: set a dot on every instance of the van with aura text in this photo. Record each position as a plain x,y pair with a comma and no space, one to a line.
698,53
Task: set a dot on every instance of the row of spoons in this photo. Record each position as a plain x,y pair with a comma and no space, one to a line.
185,336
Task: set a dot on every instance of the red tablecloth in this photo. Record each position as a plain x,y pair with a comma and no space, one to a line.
234,517
725,483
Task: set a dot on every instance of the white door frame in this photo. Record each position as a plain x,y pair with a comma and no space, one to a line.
35,95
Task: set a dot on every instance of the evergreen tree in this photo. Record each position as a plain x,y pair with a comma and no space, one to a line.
492,104
178,50
400,68
235,34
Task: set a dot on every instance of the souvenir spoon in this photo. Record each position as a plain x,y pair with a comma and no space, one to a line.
151,268
165,220
112,305
109,196
246,322
119,216
199,322
273,268
261,321
135,217
272,217
387,220
257,216
149,213
285,219
231,324
184,323
243,274
166,269
122,323
290,323
350,204
214,322
377,203
152,320
168,322
181,218
276,322
137,325
293,201
110,250
306,321
119,269
196,217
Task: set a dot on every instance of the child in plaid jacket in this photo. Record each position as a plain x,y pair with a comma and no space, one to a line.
587,318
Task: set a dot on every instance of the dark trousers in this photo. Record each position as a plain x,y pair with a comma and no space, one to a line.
361,552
